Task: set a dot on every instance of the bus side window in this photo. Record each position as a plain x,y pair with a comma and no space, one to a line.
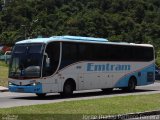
52,58
69,54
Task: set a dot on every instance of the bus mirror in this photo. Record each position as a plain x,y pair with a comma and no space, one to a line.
47,60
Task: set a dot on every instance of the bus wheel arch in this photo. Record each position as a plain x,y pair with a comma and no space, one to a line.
68,87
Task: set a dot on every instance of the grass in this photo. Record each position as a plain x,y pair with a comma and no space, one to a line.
3,74
94,107
2,63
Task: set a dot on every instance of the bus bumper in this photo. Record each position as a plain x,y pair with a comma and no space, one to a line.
26,89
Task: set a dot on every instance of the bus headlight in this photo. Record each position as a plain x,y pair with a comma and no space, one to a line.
35,83
9,83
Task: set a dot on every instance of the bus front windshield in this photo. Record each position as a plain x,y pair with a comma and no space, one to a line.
26,61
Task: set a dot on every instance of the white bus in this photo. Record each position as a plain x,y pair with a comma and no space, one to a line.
64,64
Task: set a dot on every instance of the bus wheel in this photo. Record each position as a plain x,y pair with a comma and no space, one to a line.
67,89
41,95
131,85
107,90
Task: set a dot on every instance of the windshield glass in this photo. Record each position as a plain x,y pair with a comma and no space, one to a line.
26,61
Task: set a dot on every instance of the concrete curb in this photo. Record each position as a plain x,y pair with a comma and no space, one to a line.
130,115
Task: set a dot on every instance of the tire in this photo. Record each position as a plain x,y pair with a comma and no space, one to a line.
67,89
107,90
41,95
131,85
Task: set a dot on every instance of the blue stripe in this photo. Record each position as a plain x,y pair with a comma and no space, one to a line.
26,89
141,79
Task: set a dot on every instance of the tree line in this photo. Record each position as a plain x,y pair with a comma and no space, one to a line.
135,21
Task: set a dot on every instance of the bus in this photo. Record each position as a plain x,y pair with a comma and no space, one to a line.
64,64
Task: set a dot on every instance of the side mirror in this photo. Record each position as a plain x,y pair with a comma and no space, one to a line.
47,60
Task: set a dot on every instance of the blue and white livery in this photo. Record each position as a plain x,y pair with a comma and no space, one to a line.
65,64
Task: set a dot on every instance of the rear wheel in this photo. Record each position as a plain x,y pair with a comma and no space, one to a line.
107,90
131,85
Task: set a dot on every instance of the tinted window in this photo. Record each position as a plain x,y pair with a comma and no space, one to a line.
104,52
53,52
24,60
143,53
19,49
86,52
37,48
30,48
69,54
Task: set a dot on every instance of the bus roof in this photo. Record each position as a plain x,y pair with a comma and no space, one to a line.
77,39
64,38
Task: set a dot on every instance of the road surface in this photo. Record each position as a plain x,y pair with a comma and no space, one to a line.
8,99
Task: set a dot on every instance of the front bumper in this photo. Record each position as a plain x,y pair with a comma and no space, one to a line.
26,89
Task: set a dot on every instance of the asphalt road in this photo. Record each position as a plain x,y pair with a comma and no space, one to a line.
8,99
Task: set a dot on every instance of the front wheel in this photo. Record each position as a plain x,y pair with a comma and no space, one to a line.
67,89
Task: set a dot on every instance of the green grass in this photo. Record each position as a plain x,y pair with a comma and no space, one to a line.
103,106
2,63
3,74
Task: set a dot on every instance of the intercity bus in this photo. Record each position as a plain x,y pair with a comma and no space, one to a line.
63,64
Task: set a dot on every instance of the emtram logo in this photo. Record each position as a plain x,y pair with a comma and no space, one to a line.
108,67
